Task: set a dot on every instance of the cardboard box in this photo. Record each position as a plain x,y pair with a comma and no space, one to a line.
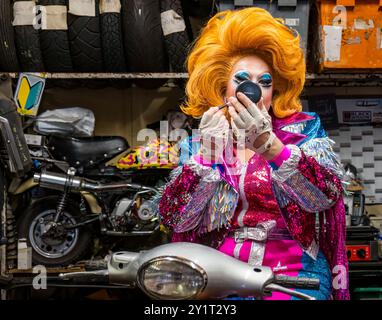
376,222
24,255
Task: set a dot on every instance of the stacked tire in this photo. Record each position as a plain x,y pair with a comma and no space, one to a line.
112,42
28,46
147,36
85,41
145,51
55,46
8,56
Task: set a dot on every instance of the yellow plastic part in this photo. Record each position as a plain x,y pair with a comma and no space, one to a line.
155,154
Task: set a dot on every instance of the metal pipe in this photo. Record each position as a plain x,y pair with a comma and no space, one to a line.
80,224
86,276
60,181
276,288
128,233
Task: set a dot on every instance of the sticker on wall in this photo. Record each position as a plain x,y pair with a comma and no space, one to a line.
332,43
172,22
28,93
292,22
361,24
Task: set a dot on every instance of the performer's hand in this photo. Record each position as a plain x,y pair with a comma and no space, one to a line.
214,130
254,122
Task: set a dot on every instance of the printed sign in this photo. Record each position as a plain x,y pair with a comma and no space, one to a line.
28,93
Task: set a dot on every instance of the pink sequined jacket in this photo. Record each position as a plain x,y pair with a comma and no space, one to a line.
199,202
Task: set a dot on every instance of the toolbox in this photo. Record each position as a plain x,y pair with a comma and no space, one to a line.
295,13
349,35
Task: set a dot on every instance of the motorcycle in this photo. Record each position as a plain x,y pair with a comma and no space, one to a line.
90,188
83,186
181,270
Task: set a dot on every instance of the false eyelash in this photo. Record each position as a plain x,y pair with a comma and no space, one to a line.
265,80
265,83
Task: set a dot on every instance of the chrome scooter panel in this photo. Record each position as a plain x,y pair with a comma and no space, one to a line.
123,267
226,275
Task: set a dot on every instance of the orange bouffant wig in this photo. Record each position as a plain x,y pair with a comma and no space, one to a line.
232,35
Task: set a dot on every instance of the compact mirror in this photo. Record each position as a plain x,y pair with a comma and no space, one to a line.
250,89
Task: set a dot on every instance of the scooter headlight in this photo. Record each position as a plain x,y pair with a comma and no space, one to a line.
171,278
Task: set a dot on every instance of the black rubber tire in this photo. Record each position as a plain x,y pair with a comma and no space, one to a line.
176,43
144,41
82,247
55,45
28,48
8,55
85,42
112,42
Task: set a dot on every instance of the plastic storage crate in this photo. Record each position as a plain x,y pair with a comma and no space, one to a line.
295,13
350,34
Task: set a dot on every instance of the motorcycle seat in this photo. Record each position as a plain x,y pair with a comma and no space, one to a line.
86,152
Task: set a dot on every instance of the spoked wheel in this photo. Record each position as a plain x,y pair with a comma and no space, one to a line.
54,244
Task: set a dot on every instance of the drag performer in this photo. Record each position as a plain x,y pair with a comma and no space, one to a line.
278,203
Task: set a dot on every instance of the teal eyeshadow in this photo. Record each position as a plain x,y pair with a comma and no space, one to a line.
266,77
242,75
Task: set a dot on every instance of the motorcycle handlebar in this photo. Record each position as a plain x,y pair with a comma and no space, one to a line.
297,282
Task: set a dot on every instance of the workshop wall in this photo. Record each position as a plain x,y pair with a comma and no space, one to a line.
117,111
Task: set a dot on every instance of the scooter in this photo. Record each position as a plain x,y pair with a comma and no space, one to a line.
182,270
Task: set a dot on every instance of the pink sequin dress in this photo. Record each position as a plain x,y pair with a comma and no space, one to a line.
257,204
